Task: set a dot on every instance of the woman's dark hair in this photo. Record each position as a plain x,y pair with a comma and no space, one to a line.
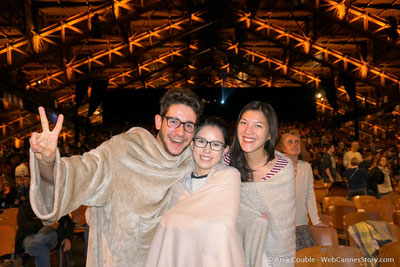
216,122
237,154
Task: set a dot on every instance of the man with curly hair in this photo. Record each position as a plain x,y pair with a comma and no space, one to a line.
126,181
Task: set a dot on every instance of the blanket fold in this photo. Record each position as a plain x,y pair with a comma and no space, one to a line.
272,241
200,229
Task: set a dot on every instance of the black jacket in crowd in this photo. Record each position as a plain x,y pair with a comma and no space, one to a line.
29,224
375,177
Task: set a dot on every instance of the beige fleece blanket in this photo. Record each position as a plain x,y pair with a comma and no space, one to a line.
127,181
199,230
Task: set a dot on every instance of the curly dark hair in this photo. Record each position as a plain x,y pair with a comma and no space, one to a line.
183,96
237,154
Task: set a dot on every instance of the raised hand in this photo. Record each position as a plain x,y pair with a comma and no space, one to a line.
44,144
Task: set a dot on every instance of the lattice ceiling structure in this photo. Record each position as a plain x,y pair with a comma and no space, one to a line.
47,46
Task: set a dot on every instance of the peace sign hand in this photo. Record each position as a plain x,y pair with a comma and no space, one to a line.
44,144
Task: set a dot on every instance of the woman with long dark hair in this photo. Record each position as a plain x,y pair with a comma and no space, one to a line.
267,205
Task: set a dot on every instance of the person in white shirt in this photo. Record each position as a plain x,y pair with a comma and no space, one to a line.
352,153
386,187
290,145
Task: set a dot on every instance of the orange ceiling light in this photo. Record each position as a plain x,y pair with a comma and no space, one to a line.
279,65
146,66
116,49
358,95
353,14
122,4
338,7
301,76
331,56
52,33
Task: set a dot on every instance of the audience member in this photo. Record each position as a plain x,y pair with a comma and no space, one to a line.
352,153
357,179
375,177
367,163
267,188
127,180
328,165
36,240
290,145
385,187
9,192
23,178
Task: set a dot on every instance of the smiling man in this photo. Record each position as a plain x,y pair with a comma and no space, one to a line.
126,181
171,135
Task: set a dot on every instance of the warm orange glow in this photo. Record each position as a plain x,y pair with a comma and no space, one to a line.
306,46
65,98
266,83
17,143
246,18
218,81
340,10
116,49
364,70
50,34
359,96
234,47
147,64
37,43
116,8
355,14
331,56
324,106
280,65
226,66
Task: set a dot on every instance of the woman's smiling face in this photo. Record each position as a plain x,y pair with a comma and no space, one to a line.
252,131
205,158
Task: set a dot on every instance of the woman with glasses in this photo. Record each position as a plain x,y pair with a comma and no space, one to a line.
267,201
199,229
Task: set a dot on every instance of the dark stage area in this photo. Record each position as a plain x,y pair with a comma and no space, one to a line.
140,106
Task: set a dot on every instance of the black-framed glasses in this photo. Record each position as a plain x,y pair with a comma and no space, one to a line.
214,145
174,123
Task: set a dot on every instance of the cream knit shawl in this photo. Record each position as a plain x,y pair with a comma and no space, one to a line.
273,239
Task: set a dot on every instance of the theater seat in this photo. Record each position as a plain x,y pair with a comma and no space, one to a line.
328,256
